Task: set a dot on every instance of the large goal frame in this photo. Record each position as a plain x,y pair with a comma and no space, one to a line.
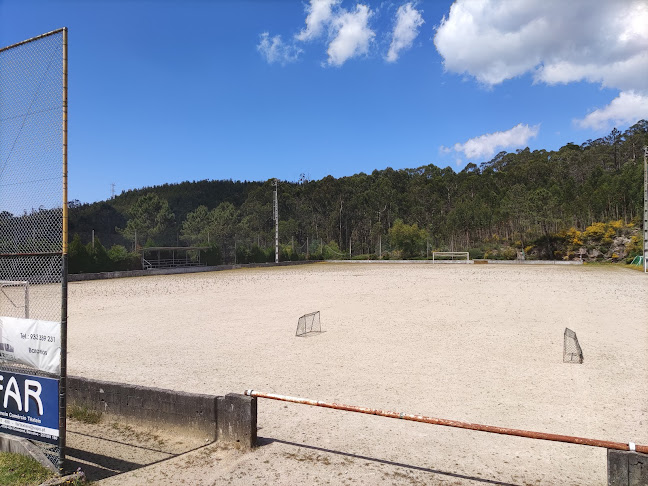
460,256
16,283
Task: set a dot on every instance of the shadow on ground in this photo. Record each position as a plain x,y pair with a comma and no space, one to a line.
108,449
263,441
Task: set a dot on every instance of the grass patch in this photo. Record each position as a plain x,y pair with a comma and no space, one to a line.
83,414
636,268
19,470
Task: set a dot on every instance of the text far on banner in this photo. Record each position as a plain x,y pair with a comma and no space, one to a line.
29,406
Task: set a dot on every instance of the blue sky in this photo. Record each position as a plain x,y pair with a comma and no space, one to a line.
170,91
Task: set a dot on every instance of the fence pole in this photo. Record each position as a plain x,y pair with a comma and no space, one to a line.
64,265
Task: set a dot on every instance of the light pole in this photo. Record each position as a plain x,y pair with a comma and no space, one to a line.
276,218
645,216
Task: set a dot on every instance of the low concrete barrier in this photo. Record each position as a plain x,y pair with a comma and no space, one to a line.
627,468
460,262
231,418
537,262
82,277
426,262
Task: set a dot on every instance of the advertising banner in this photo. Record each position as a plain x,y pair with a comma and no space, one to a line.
31,342
29,406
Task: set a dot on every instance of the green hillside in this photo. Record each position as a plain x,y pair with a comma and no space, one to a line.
580,200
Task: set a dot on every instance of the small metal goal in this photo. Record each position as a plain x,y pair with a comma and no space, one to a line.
309,323
572,352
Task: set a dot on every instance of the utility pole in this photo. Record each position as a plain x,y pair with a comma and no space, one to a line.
276,218
645,218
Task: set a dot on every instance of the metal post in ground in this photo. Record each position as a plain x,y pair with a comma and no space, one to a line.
64,269
276,218
645,252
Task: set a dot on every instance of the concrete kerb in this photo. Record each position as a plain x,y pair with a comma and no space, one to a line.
463,262
18,445
412,262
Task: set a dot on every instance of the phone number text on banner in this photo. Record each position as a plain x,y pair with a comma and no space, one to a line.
31,342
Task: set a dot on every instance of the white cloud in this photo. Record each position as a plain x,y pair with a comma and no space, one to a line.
352,35
625,109
275,50
487,145
320,13
444,150
557,41
408,21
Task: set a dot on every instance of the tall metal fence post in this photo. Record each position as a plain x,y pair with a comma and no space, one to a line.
64,286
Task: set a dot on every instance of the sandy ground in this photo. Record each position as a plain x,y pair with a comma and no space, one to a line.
478,343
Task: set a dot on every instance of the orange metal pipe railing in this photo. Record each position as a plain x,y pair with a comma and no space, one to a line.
455,423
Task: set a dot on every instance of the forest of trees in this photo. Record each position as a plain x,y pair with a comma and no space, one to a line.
546,203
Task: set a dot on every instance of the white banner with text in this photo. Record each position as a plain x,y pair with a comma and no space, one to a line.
31,342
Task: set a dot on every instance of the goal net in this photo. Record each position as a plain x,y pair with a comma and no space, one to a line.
442,256
14,298
309,323
572,352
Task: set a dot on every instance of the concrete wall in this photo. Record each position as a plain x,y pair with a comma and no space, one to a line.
537,262
80,277
460,262
430,262
231,418
627,468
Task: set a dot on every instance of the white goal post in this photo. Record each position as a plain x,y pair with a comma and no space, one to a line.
13,299
450,255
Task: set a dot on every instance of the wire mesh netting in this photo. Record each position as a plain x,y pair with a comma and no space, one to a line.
572,352
31,189
308,323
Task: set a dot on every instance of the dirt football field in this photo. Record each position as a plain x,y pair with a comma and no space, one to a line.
476,343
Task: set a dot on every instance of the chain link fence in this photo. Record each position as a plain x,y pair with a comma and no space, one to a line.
32,192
